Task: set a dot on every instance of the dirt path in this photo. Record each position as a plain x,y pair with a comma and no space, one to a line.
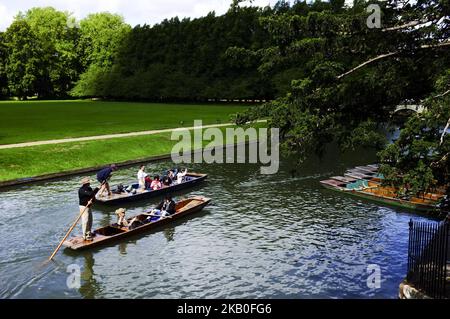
109,136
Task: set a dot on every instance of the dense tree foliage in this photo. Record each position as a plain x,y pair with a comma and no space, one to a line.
44,51
3,77
185,60
353,78
23,64
42,58
198,59
101,36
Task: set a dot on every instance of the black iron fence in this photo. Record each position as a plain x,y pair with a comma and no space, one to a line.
428,258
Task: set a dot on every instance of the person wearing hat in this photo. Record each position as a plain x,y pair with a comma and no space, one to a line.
122,221
104,175
86,194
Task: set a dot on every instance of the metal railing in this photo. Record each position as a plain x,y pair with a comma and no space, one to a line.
428,258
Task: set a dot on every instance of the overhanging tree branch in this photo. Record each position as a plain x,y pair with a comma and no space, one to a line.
406,25
442,95
367,62
383,56
444,132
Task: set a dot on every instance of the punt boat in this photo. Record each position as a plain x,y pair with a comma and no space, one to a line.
114,233
344,179
190,180
371,189
357,175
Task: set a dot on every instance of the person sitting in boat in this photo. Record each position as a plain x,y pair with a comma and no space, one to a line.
122,221
104,175
148,182
171,174
167,207
141,175
181,175
156,183
166,181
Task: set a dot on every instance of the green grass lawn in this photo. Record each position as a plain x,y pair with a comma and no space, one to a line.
46,159
26,121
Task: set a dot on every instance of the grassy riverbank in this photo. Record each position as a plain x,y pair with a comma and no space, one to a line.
27,121
46,159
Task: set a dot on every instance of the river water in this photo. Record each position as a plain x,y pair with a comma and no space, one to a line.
263,236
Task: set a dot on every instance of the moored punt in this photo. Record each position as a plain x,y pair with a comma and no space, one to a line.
360,171
190,180
365,182
113,233
363,171
386,195
369,168
371,176
356,175
333,184
344,179
416,203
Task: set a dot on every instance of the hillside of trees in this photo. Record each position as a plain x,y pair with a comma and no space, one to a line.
46,53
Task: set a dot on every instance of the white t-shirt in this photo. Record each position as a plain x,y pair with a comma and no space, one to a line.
180,176
141,175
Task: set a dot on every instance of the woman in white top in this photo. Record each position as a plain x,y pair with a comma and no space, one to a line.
141,175
181,175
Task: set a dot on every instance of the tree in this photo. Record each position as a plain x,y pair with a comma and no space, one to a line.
51,37
3,57
101,36
23,64
420,156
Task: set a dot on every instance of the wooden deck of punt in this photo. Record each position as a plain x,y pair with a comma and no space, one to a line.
192,179
112,233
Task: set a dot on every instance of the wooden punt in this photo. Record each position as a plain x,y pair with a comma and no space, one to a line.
333,184
357,175
386,195
358,172
344,179
113,233
363,171
368,168
190,180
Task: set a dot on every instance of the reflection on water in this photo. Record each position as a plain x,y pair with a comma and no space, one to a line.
89,285
280,236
